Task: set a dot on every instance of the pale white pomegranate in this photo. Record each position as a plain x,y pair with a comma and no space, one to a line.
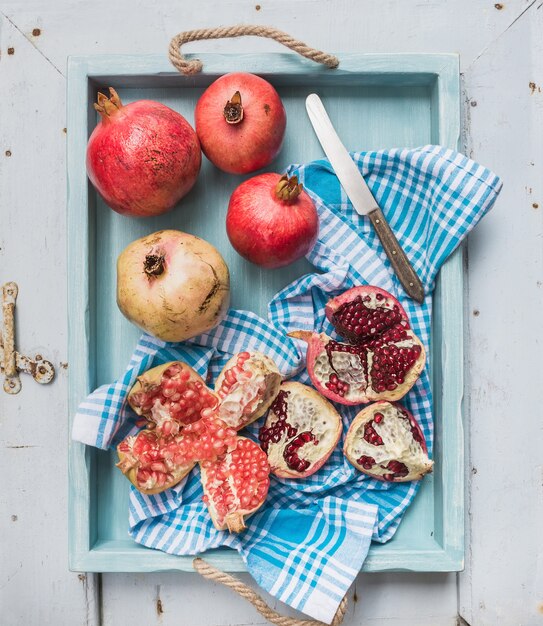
385,442
247,385
171,395
301,431
172,285
235,485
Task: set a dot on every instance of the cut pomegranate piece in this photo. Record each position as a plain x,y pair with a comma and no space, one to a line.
170,396
382,368
154,462
300,432
363,313
247,386
385,442
235,485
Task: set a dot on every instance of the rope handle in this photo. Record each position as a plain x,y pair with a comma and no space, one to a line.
212,573
194,66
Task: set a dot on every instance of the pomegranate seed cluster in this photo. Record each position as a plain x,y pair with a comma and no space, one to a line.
365,316
237,483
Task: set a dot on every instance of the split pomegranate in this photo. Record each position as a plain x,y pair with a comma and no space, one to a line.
153,461
170,396
300,432
240,121
143,157
383,364
271,221
247,386
385,441
235,485
172,285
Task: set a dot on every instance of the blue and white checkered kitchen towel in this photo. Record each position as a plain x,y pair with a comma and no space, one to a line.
309,541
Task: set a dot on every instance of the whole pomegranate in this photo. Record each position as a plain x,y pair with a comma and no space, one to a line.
383,364
385,441
247,385
240,121
143,157
300,432
172,285
271,221
235,485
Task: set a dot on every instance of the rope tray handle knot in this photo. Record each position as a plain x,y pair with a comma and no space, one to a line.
212,573
194,66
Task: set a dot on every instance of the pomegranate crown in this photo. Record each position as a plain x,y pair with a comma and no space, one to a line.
233,109
108,106
288,189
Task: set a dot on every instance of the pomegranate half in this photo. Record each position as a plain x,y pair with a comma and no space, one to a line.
240,121
142,157
301,431
172,285
247,385
271,221
235,485
385,442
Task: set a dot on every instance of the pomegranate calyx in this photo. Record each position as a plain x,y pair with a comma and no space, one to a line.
288,189
108,106
233,109
154,265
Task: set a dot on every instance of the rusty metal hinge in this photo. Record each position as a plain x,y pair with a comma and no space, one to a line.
11,362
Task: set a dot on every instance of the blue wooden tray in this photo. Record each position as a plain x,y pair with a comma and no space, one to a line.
375,101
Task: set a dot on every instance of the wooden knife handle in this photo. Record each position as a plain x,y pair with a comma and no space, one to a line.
403,268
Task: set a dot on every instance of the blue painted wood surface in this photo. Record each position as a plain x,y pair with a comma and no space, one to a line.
376,101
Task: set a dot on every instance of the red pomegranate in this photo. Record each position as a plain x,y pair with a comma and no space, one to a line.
385,442
301,431
383,364
172,285
170,396
240,121
271,221
235,485
247,385
143,157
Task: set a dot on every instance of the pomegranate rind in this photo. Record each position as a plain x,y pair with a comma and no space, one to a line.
234,521
326,410
418,471
129,466
152,378
259,365
316,345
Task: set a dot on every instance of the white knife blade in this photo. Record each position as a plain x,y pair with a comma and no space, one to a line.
345,168
360,195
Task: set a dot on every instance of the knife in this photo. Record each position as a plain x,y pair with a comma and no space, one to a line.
360,195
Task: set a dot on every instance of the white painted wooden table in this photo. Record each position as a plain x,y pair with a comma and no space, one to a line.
501,48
